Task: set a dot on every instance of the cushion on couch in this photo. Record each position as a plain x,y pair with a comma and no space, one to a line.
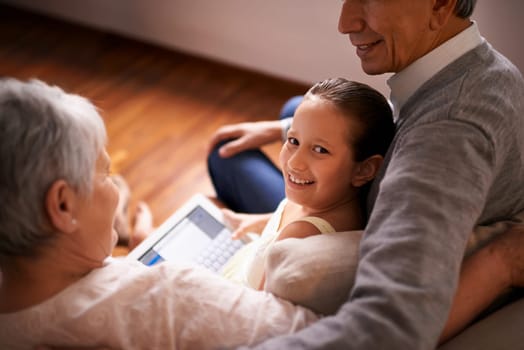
502,330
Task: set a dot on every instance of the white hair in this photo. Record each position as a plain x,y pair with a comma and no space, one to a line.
45,135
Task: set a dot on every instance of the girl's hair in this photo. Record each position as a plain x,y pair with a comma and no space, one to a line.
367,107
45,135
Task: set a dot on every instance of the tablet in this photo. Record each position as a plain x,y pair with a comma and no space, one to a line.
195,233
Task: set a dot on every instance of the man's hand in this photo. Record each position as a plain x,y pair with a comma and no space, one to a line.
245,136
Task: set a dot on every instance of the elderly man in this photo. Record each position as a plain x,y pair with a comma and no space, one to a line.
456,161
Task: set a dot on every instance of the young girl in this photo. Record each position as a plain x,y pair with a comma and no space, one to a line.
334,148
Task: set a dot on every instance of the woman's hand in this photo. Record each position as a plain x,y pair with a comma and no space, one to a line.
241,224
244,136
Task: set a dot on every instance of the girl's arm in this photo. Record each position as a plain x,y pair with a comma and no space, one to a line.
298,229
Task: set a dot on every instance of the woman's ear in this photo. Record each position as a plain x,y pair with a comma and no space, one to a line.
366,170
60,203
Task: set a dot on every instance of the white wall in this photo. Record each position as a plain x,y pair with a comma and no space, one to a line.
294,39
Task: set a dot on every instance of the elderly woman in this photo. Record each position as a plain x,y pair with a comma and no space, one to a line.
58,285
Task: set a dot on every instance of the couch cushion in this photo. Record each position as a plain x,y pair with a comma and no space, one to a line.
502,330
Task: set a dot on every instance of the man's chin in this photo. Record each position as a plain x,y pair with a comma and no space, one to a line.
371,69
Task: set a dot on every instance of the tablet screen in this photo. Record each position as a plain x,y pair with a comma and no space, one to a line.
193,232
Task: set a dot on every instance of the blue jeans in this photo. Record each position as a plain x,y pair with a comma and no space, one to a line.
249,182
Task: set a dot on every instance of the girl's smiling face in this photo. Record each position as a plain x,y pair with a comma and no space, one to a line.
317,158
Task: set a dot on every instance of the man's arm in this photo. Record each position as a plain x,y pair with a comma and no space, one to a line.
486,275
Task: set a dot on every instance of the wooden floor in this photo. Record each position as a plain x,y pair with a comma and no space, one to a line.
160,106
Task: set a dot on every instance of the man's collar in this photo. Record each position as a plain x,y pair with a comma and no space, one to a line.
404,84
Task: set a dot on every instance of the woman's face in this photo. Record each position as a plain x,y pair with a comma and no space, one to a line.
317,160
97,212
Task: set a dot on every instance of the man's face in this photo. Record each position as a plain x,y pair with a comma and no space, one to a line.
388,34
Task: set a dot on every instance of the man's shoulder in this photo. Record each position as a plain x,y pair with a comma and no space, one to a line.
484,65
472,89
479,70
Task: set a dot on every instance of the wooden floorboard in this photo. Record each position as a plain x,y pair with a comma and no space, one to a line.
160,106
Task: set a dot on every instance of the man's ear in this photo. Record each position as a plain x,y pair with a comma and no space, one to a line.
60,205
442,11
366,170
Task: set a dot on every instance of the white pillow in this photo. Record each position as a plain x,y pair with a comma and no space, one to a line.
316,272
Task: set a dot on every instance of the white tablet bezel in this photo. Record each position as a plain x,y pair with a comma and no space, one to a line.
195,201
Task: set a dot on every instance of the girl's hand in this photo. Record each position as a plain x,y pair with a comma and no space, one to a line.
241,223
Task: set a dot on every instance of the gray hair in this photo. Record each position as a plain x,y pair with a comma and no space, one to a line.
45,135
464,8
